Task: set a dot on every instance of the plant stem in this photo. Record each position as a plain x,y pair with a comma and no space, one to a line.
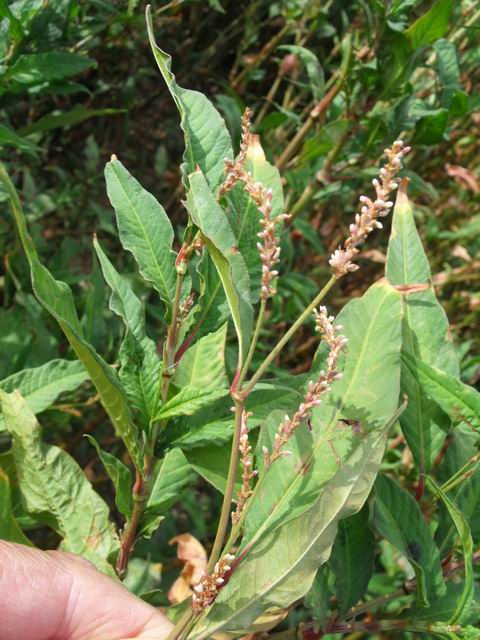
253,343
286,337
181,625
171,341
269,99
227,498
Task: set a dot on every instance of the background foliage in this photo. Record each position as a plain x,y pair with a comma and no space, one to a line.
78,83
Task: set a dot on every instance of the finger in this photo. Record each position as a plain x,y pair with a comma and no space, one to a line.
54,596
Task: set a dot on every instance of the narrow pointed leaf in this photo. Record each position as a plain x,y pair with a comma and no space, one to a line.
397,517
220,240
207,141
467,545
144,229
120,476
425,334
57,299
203,365
189,400
41,386
140,364
52,482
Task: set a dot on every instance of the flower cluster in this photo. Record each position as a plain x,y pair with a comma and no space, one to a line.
315,390
268,247
249,473
367,220
207,588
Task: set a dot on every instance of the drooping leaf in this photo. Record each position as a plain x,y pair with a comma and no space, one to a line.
120,476
9,529
220,240
140,364
172,475
352,559
144,229
425,334
459,401
244,215
467,545
431,26
189,400
397,517
203,365
52,482
42,385
207,141
290,528
57,299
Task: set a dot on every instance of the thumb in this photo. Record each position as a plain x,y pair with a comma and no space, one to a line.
45,595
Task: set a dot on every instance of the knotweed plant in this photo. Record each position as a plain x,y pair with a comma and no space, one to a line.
304,450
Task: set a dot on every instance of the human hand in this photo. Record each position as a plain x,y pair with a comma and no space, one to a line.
50,595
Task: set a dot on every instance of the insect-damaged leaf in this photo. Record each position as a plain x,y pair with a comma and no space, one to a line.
57,299
425,334
207,141
52,482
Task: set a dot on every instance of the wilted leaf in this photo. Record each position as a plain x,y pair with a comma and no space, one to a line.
194,557
51,482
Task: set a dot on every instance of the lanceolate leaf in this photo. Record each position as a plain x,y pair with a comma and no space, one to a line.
244,214
57,298
144,229
220,240
431,26
51,481
140,370
459,401
467,544
42,385
290,527
397,517
190,400
352,558
203,365
9,529
207,141
171,476
425,334
120,476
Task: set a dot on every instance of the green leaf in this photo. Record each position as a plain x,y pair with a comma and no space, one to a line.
312,66
207,141
244,215
212,310
203,365
291,526
172,475
66,119
397,517
448,70
57,299
425,334
317,600
34,68
189,400
458,400
372,325
140,364
15,29
144,228
52,482
431,26
467,545
212,464
42,385
9,529
220,241
352,559
11,138
121,477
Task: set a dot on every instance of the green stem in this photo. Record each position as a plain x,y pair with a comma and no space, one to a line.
181,625
171,341
286,337
227,498
253,343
